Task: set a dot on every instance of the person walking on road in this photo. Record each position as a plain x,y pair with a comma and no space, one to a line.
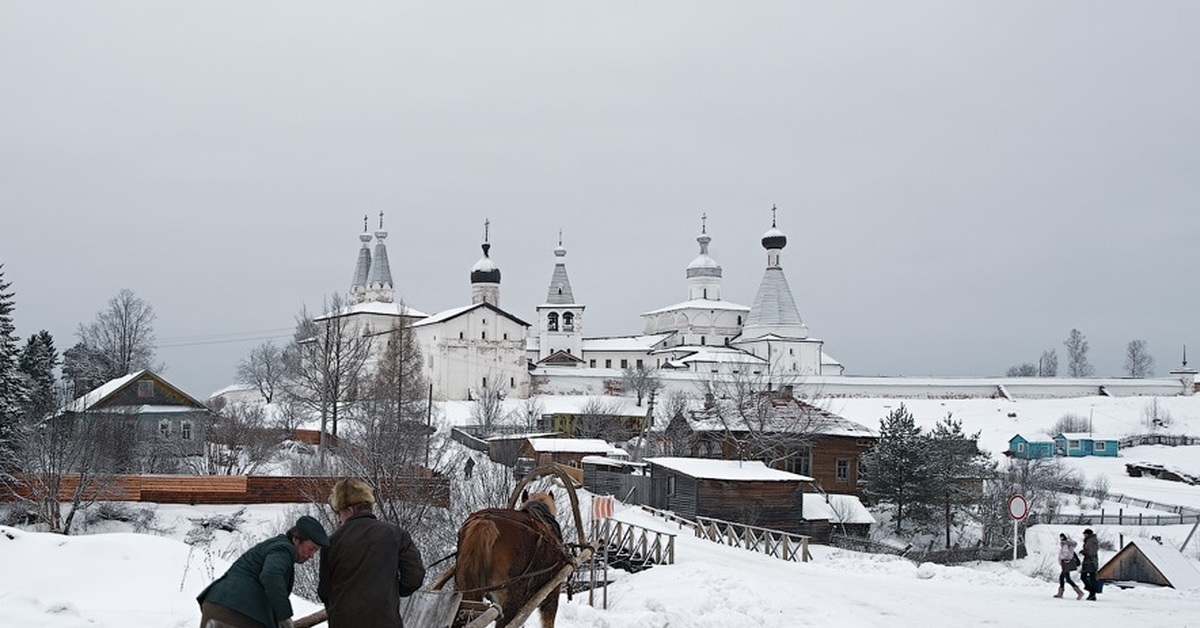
369,565
254,592
1091,563
1068,561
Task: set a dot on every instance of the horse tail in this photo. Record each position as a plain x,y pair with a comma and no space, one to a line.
474,568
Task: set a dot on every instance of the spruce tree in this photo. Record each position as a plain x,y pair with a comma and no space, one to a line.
957,468
12,386
38,360
895,468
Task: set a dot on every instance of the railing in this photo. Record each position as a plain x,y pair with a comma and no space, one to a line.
670,517
1158,439
776,543
644,546
951,556
1145,503
1102,518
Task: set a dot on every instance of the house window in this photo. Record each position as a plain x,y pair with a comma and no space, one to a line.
1100,445
145,389
186,430
1020,448
799,462
624,364
1074,444
843,470
670,486
164,428
591,364
608,364
552,321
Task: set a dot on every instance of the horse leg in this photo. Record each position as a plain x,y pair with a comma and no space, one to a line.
549,607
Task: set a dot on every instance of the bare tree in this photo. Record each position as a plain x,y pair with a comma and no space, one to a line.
326,362
120,340
530,411
67,460
1048,364
602,418
641,380
1077,355
1156,417
759,420
1138,362
1022,370
263,368
488,412
1044,482
238,442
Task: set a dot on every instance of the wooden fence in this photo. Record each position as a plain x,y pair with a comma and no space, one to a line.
642,545
223,489
782,545
1173,440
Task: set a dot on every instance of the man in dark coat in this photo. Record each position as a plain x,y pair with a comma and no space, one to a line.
254,592
1091,563
369,565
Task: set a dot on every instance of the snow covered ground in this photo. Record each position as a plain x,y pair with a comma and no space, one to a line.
112,578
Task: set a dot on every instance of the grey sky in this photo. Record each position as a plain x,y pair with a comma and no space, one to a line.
961,183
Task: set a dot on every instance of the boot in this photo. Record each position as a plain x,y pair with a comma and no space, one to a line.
1078,592
1060,591
1091,597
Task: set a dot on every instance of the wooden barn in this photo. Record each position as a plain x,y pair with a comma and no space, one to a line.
826,514
747,492
1021,447
1146,561
506,448
566,451
792,434
624,479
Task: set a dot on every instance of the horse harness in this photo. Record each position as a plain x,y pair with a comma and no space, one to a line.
545,528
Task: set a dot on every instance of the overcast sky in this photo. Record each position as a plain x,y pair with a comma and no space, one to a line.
961,183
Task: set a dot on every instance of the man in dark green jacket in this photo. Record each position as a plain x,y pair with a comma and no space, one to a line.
254,592
369,565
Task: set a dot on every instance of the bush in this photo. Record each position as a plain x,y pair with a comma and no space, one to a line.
1070,423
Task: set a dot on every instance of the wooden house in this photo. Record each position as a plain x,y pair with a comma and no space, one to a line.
787,433
151,408
747,492
1079,444
1146,561
1020,447
624,479
826,514
506,448
566,451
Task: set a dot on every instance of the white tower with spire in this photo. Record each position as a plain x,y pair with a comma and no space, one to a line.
560,318
774,330
485,275
362,268
379,282
1187,376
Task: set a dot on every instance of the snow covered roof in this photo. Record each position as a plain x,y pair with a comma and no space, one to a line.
836,509
740,470
89,401
570,445
374,307
783,414
1082,436
773,305
610,462
714,354
85,402
446,315
645,342
1172,564
700,304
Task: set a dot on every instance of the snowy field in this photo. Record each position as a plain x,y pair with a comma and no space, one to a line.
110,577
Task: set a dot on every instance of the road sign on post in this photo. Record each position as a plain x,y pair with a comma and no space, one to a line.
1018,507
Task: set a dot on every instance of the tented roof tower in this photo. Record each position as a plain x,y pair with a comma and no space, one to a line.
774,310
362,269
379,281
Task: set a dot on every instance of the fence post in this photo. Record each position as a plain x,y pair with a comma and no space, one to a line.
784,545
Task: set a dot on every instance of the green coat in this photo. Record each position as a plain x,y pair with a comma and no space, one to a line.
259,582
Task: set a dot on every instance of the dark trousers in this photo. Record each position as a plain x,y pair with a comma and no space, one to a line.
1064,577
1088,577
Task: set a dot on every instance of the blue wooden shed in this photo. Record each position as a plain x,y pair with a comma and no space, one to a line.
1021,447
1079,444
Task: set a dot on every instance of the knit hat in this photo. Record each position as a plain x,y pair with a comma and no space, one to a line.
310,529
348,492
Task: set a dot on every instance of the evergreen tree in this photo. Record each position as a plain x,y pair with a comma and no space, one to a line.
957,468
896,468
38,360
13,391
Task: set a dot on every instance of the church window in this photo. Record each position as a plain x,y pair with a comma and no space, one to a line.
568,320
702,340
793,366
624,364
739,320
639,363
485,382
512,382
727,341
706,293
608,364
791,351
506,335
591,364
460,335
483,335
552,321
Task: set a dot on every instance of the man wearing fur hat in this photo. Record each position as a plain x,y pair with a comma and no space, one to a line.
254,592
369,564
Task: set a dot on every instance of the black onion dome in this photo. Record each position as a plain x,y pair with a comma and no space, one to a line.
774,239
485,270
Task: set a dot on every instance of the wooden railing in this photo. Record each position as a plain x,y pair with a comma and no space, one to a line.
650,547
782,545
670,517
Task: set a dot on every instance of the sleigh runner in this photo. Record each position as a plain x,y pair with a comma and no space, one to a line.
490,584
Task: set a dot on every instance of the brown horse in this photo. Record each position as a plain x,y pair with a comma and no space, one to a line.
507,555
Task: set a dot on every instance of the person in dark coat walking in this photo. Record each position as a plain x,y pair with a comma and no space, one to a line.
369,565
1067,562
254,592
1091,563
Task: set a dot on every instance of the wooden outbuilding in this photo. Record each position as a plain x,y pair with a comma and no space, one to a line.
565,451
1146,561
1079,444
742,491
1021,447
